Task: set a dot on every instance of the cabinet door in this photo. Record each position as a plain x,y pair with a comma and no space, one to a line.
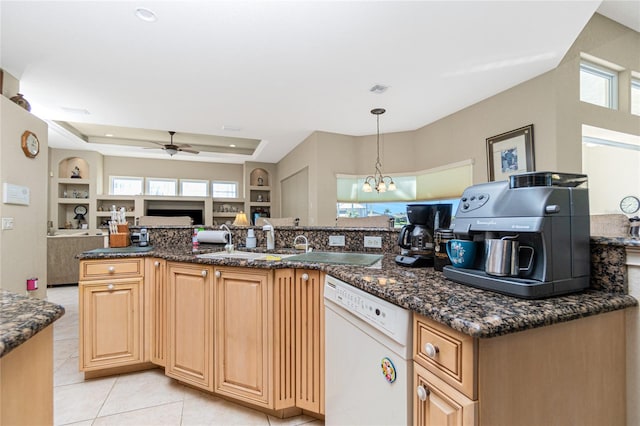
156,303
435,403
189,350
111,320
309,320
243,334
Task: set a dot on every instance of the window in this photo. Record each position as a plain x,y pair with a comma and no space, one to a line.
598,85
442,184
193,188
635,96
220,189
160,186
123,185
396,210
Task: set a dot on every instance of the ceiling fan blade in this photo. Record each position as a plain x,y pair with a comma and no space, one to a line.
189,151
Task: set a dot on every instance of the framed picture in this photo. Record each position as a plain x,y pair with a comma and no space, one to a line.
510,153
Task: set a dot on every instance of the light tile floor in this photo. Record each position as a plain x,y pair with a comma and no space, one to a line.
142,398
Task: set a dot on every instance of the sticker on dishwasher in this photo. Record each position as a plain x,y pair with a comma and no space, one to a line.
388,369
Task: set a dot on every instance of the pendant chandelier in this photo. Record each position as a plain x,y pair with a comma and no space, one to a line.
378,182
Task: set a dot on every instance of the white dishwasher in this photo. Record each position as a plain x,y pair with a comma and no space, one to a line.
368,341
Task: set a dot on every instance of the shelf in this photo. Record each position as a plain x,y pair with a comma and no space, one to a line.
67,181
225,214
73,200
259,188
260,204
108,214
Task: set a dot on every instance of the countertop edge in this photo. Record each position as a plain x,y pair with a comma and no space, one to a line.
23,317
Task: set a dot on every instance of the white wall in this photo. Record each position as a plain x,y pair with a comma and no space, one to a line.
23,250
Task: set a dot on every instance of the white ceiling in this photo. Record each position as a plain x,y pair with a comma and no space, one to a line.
277,70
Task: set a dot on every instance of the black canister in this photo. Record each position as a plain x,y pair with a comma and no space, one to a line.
440,257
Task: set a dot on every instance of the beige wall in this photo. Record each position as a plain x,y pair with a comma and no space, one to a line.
549,101
23,250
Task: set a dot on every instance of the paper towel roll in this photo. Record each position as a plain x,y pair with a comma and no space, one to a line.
215,237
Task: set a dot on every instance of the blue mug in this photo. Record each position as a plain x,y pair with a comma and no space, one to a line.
462,253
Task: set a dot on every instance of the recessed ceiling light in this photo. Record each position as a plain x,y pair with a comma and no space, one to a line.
109,135
233,145
378,89
146,15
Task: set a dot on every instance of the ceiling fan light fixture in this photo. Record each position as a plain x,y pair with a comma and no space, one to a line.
171,151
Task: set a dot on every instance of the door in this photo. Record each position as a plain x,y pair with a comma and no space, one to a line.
243,332
190,353
111,323
435,403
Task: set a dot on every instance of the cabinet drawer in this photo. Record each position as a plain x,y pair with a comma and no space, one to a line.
112,268
447,353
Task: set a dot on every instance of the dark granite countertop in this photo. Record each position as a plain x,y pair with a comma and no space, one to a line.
22,317
475,312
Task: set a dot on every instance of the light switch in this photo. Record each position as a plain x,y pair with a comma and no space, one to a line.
7,223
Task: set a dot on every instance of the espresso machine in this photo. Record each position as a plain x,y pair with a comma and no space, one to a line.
416,240
545,212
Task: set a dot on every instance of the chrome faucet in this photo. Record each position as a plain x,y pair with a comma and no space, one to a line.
306,242
229,246
271,235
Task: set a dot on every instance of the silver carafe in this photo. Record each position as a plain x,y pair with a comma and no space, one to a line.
502,256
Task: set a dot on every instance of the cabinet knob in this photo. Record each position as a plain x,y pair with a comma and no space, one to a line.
305,277
111,287
422,392
204,273
111,269
156,264
431,350
218,274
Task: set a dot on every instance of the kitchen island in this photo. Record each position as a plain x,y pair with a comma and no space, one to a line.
26,359
479,357
476,312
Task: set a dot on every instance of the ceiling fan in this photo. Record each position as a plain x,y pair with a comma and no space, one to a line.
172,149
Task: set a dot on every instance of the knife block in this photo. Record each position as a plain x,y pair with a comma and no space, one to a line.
121,238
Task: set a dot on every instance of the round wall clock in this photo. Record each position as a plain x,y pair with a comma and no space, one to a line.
80,209
630,204
30,144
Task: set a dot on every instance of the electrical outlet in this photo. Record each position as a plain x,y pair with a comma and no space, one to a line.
7,223
336,240
373,242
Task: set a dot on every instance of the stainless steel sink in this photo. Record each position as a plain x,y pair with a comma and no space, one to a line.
338,258
243,255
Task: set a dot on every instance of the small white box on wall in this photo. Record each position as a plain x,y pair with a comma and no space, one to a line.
15,194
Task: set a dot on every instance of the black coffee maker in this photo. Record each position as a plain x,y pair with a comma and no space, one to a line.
416,240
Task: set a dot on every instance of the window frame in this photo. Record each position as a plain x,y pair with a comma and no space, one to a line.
149,181
200,181
139,179
610,75
224,182
634,87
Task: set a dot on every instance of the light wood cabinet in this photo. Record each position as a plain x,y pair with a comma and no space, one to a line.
190,324
156,310
309,340
567,373
436,403
111,325
244,334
